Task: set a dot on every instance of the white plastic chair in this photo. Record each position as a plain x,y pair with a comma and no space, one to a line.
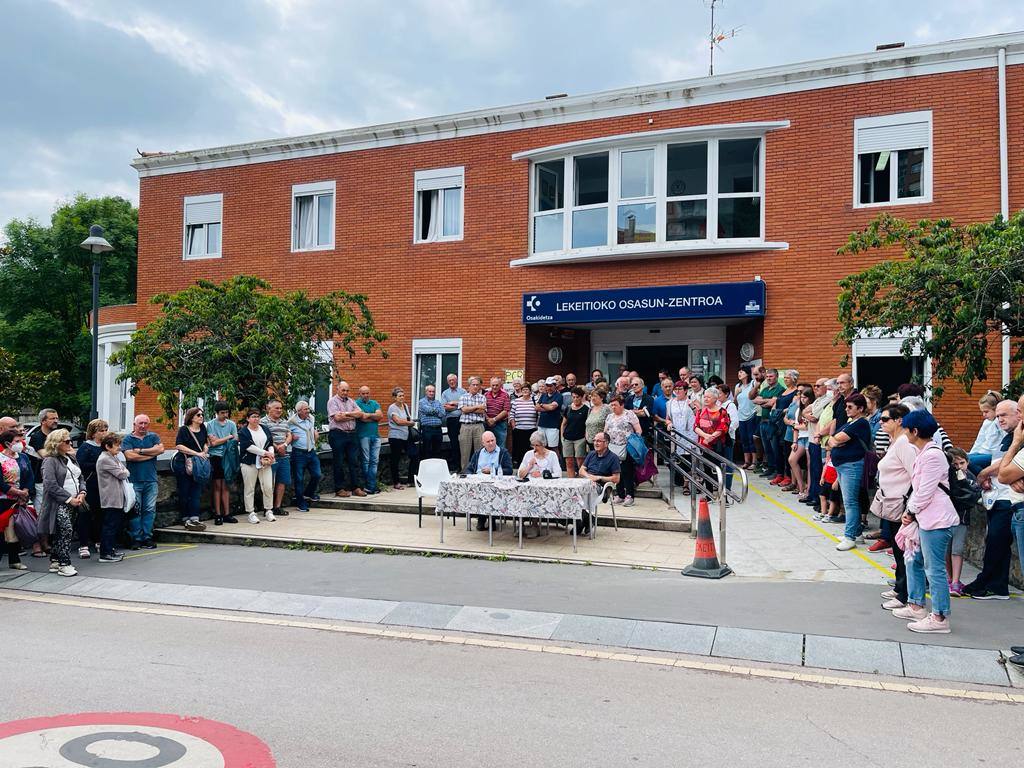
428,481
607,496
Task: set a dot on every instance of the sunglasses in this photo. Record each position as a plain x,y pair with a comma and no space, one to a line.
886,418
65,441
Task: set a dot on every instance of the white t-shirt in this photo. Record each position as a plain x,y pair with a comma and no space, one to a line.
1012,495
549,462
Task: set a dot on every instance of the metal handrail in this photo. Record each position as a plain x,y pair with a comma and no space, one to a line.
706,472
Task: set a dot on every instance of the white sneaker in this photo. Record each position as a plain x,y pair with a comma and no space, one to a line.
846,545
269,514
54,567
893,604
67,570
889,594
253,519
628,501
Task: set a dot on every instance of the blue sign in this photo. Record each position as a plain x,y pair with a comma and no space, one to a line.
664,302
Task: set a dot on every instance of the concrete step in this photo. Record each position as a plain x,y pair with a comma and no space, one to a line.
626,517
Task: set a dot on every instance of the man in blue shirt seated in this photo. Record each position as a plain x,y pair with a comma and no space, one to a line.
487,461
601,466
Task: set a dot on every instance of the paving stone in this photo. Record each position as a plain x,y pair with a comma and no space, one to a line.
18,582
82,585
500,621
679,638
218,597
285,604
598,630
875,656
47,582
1015,672
353,609
425,615
163,594
965,665
759,645
113,589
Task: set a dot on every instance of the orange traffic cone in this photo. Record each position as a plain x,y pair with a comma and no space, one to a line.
705,559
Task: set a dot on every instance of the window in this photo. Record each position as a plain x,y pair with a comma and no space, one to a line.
321,393
641,196
439,204
313,216
892,156
203,226
548,205
432,361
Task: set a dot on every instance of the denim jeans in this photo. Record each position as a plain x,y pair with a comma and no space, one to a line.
770,443
995,568
303,462
814,467
370,447
1017,526
724,449
851,476
978,461
140,527
345,452
500,430
745,432
930,561
282,470
454,455
188,496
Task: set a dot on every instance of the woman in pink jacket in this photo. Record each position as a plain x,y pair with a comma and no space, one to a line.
932,513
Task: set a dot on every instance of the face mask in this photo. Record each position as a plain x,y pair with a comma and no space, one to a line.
17,447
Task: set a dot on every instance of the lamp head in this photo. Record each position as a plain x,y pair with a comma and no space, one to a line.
95,242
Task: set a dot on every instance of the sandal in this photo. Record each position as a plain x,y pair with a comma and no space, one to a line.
83,553
40,554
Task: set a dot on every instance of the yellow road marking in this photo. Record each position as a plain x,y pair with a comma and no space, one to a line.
810,523
161,550
535,647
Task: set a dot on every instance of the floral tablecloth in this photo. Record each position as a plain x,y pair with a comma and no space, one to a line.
561,498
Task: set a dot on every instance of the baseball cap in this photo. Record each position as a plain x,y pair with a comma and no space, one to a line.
550,380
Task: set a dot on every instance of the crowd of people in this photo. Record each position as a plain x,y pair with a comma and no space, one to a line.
841,451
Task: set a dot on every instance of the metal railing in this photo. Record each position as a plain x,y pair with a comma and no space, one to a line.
707,473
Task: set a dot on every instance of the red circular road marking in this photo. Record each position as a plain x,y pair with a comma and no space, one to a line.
239,749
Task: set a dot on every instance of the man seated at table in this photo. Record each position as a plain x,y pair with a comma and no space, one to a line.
487,461
539,459
601,466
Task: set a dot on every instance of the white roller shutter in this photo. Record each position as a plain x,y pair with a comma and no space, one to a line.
893,137
203,210
441,178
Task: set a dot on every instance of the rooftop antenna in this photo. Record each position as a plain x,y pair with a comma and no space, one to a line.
717,35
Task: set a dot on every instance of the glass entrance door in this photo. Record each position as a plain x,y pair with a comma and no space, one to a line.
609,361
647,360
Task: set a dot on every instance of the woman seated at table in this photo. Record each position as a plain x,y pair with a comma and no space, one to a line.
539,458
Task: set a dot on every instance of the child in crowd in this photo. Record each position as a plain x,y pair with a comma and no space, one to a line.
830,496
965,493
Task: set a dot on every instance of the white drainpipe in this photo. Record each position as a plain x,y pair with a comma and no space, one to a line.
1004,184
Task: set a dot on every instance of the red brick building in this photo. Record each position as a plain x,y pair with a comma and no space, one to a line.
459,227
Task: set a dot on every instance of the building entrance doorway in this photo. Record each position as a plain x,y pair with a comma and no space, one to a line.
888,373
647,360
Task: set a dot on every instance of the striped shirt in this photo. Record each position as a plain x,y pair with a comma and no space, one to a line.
469,401
524,414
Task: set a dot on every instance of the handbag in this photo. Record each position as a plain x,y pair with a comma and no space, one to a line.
889,508
26,525
414,434
637,448
130,499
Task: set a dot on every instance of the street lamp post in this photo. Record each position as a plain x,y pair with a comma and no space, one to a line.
96,243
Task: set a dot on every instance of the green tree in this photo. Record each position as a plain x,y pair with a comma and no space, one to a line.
46,293
955,292
242,341
19,388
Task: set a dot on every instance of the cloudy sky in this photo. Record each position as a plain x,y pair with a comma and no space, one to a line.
86,82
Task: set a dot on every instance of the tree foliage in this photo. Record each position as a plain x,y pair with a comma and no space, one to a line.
46,293
957,290
243,341
18,388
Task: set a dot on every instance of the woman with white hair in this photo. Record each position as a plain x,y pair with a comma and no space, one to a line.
64,490
539,459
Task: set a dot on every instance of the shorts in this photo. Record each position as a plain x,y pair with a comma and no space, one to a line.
217,467
574,448
282,469
802,442
552,434
956,545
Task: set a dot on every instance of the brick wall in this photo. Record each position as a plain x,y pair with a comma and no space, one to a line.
467,289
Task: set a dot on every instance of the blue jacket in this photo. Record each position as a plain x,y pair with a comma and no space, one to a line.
504,459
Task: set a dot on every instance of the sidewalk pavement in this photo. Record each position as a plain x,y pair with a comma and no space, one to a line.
892,659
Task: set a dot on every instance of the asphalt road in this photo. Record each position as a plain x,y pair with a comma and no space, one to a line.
322,699
843,610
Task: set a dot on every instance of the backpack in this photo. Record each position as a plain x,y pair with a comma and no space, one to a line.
965,494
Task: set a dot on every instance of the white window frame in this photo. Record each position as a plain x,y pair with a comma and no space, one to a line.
449,346
564,211
877,342
456,179
194,200
316,190
885,121
660,198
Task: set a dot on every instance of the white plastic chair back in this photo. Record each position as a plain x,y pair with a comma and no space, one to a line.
432,473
